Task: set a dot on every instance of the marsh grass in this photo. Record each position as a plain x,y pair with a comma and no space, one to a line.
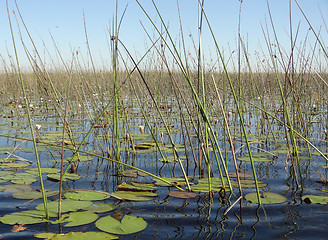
215,111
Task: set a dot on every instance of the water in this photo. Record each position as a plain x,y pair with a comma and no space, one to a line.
172,218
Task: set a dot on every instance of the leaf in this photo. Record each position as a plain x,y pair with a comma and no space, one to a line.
14,165
128,225
100,207
77,236
32,195
137,187
25,217
67,205
67,176
266,198
16,188
316,199
174,180
181,194
134,196
132,173
87,195
18,228
79,218
43,171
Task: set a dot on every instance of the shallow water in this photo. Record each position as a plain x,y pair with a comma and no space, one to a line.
173,218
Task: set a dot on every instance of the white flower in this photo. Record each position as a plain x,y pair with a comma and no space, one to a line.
141,128
37,127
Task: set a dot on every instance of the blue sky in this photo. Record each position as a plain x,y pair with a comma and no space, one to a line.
64,20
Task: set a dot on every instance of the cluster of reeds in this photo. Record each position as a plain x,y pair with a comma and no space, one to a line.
207,102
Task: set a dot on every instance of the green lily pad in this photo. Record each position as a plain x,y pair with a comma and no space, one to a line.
77,236
170,159
133,173
316,199
134,196
23,178
31,195
266,198
67,176
14,165
77,218
25,217
81,158
174,180
43,170
16,188
100,207
87,195
255,159
67,205
128,225
139,187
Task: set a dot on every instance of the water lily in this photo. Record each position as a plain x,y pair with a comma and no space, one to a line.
37,127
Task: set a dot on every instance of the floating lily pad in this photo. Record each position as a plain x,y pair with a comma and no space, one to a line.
77,218
172,180
87,195
133,173
14,165
255,159
31,195
134,196
25,217
139,187
100,207
170,159
67,205
81,158
23,178
67,176
43,170
77,236
16,188
181,194
266,198
128,225
315,199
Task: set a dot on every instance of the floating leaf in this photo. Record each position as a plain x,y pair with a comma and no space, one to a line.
266,198
255,159
133,173
16,188
138,187
77,236
316,199
31,195
170,159
128,225
67,205
172,180
25,217
14,165
67,176
181,194
100,207
43,170
18,228
134,196
78,218
23,178
87,195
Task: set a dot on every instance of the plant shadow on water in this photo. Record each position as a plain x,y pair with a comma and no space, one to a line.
144,154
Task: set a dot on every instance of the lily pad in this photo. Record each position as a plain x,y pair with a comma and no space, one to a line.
134,196
266,198
31,195
255,159
77,218
128,225
315,199
173,180
16,188
138,187
25,217
100,207
14,165
87,195
67,205
43,170
181,194
77,236
67,176
133,173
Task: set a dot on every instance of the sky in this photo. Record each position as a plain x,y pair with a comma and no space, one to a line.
64,21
